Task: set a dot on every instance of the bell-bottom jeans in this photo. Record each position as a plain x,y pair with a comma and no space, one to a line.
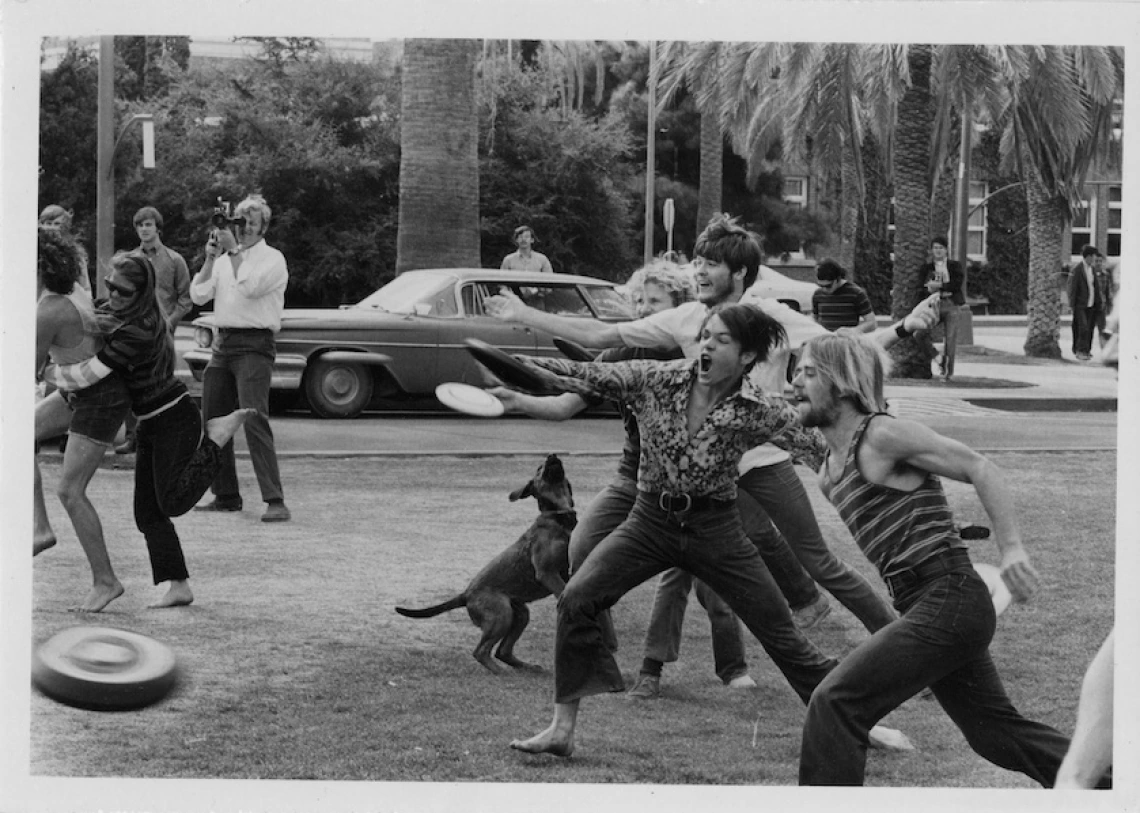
712,546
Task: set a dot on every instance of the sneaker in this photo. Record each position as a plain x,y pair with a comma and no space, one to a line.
647,687
807,617
276,512
219,504
744,681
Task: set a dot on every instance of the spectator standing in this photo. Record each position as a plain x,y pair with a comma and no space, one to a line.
839,304
246,279
945,277
1086,300
526,258
172,286
1102,277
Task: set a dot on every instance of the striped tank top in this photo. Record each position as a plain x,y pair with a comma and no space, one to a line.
896,529
92,342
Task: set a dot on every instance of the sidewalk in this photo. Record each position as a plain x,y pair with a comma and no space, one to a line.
1063,385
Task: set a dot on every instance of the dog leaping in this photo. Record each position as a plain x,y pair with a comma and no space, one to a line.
535,566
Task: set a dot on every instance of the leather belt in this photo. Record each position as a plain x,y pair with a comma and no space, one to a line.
684,503
949,560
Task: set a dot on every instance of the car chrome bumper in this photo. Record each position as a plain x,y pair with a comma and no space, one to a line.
288,368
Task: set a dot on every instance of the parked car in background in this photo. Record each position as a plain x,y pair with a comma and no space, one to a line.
771,284
403,340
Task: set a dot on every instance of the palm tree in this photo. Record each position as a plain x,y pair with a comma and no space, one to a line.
439,162
1058,124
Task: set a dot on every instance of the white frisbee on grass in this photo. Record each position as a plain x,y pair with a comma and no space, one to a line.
469,400
1000,594
103,668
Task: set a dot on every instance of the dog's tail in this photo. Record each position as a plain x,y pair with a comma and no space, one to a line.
428,612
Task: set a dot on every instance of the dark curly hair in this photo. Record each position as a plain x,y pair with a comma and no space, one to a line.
58,261
756,331
724,240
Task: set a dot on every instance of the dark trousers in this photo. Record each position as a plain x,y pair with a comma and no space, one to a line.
174,465
940,641
778,490
663,637
712,546
1085,321
239,375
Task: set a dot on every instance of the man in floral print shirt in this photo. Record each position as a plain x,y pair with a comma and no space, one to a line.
727,263
697,417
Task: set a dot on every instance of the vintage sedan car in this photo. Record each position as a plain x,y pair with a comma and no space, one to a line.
771,284
401,341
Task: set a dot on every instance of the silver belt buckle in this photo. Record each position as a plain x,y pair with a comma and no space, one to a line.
668,508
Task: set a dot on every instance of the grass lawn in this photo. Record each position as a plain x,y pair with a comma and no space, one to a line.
296,667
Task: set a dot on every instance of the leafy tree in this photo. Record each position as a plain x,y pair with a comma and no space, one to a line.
560,172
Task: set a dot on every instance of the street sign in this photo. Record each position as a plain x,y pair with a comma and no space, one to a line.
668,214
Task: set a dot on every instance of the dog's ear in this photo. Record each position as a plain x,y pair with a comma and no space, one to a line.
525,491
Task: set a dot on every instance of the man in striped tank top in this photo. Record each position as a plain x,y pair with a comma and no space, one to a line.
882,475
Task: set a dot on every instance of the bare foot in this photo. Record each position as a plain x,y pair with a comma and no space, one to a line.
100,596
550,741
221,430
178,595
40,545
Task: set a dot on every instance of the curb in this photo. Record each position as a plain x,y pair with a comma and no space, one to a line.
1047,404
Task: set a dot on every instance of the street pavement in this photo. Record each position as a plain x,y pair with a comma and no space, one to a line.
1062,405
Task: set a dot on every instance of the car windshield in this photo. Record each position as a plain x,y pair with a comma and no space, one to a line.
423,294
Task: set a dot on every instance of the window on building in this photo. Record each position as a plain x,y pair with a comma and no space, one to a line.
976,225
796,192
1115,218
1084,223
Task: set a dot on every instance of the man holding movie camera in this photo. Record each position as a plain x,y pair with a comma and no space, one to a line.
246,279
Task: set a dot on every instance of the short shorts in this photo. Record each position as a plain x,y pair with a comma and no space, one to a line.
98,411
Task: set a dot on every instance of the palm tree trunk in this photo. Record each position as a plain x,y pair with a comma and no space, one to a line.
851,207
712,171
912,356
1047,215
439,161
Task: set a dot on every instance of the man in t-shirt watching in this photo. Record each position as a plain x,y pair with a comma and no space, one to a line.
839,305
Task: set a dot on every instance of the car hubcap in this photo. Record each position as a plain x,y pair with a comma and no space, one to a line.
341,385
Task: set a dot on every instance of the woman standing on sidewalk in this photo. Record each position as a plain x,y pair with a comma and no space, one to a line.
174,463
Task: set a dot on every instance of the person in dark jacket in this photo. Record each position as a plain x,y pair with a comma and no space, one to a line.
945,277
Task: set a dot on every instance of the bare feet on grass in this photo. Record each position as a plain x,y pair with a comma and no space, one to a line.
40,545
551,741
100,596
177,595
221,430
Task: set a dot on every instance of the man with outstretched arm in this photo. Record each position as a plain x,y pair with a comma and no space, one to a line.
882,474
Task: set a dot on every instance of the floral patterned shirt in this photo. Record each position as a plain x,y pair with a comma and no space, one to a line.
704,463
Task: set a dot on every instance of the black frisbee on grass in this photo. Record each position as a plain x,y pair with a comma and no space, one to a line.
104,668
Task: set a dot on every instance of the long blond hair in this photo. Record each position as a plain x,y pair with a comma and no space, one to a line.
855,367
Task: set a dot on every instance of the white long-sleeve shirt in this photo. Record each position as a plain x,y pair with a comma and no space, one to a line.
251,297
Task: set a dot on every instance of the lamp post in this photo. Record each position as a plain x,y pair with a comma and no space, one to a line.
650,147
